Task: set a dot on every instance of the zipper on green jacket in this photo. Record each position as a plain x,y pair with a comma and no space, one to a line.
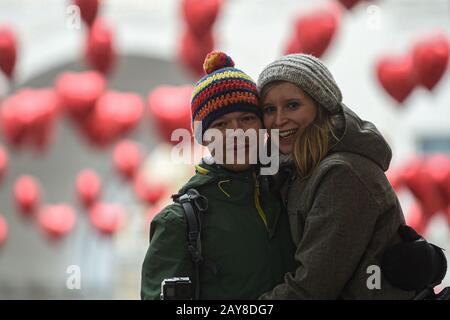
219,184
257,193
258,203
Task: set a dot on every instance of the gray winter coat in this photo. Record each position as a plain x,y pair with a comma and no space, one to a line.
342,219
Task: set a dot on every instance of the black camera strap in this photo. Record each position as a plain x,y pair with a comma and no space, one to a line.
194,206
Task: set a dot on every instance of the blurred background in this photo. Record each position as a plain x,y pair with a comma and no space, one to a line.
91,90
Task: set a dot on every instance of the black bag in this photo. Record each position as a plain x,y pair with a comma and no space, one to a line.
194,207
415,265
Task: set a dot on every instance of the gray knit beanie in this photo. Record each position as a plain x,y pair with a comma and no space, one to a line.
307,72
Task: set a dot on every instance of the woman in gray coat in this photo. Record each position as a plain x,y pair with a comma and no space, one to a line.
343,212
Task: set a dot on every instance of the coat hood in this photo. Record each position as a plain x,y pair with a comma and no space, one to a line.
363,138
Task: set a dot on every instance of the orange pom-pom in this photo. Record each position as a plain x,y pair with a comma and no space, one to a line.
217,60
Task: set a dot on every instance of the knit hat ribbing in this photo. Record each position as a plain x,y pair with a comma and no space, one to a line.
310,74
223,90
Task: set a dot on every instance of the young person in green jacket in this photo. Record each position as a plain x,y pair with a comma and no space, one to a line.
245,233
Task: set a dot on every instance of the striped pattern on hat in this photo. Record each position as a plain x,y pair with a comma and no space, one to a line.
307,72
225,89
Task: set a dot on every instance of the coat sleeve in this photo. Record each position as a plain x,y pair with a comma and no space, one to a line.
337,231
167,255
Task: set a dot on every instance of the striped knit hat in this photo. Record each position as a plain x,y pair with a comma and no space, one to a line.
224,89
310,74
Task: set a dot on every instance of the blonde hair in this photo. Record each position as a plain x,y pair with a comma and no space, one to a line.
313,144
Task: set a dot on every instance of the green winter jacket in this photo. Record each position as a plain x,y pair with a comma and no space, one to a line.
245,234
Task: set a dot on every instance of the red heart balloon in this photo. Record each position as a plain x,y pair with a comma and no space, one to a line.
147,191
397,76
417,218
94,131
3,230
27,194
80,91
3,162
170,107
88,10
421,184
192,51
100,53
8,51
115,114
107,218
127,157
88,186
293,46
431,59
448,215
315,31
200,15
349,4
45,107
13,129
126,108
57,220
29,116
438,167
44,125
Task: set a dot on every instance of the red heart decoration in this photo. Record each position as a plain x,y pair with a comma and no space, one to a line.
147,191
27,194
349,4
3,162
88,10
29,116
315,31
3,230
127,157
107,218
100,53
431,59
293,46
192,51
438,167
397,76
126,108
45,123
417,218
448,214
8,51
57,220
200,15
80,91
12,127
88,186
96,132
170,107
421,184
115,114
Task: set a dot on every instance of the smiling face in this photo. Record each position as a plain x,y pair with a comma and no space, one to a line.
289,109
249,123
